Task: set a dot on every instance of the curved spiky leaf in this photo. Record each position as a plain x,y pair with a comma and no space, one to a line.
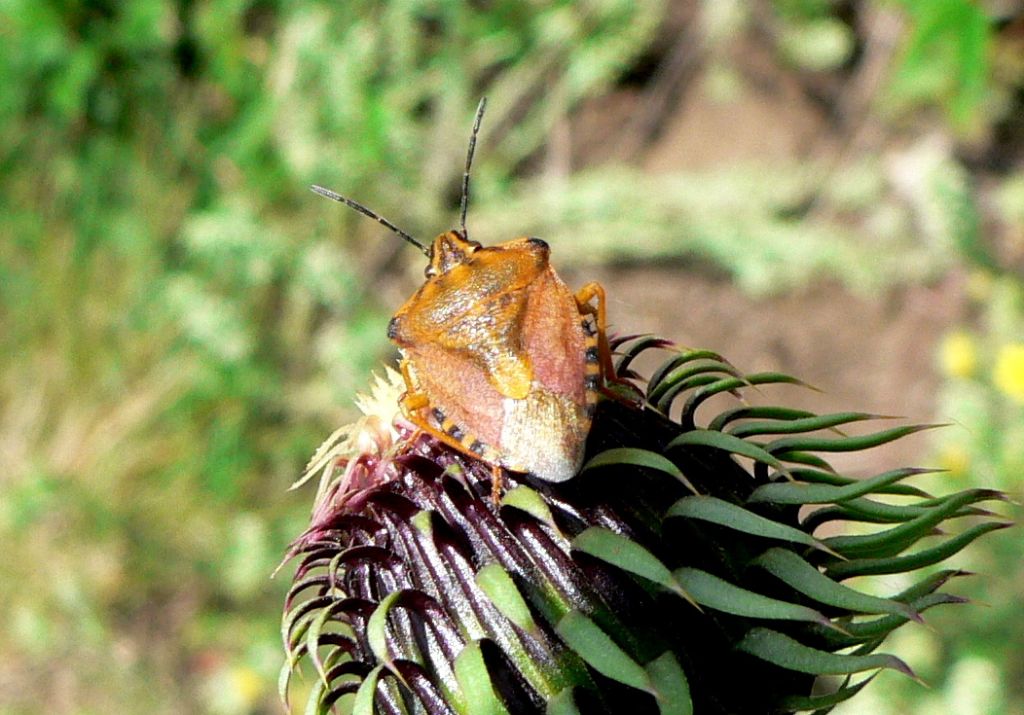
911,562
869,511
761,412
786,445
475,681
333,688
723,513
687,375
789,653
731,384
629,556
315,704
929,584
365,696
671,689
824,703
810,423
377,625
639,345
615,341
669,367
601,652
892,541
376,629
713,592
501,589
314,635
706,378
816,476
858,632
802,493
296,621
800,575
726,443
284,679
528,500
806,458
639,458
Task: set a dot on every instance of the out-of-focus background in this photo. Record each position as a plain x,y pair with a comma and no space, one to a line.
830,188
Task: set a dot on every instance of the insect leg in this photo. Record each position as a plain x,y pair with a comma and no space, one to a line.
497,472
497,483
412,400
424,426
583,297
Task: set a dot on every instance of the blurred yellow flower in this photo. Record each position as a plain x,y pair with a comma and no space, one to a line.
234,690
248,685
1009,371
958,355
955,459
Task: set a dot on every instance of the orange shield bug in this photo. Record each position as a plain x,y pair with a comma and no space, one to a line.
500,359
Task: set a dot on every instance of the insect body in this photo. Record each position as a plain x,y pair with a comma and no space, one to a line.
500,359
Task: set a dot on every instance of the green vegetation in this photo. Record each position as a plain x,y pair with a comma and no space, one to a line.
181,321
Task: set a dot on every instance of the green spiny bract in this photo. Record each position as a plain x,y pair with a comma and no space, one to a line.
679,572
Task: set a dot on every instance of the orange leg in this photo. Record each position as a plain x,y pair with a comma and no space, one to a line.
583,297
497,483
412,398
411,406
413,402
497,472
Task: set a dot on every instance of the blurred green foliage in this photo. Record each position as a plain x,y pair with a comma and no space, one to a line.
181,321
946,58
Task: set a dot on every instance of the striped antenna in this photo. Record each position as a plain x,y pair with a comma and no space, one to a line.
469,164
367,212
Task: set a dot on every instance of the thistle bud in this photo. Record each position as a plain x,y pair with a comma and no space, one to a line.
677,564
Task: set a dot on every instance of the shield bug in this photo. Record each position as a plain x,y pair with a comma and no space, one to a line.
500,359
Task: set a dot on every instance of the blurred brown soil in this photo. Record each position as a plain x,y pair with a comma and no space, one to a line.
864,354
873,354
